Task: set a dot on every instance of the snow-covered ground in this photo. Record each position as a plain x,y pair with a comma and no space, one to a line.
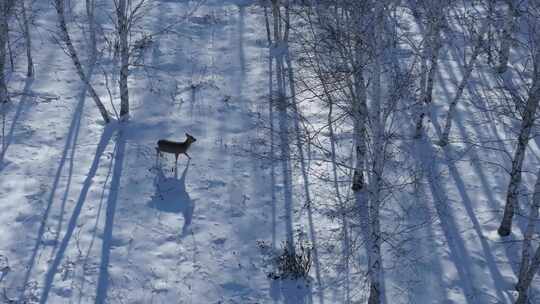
88,216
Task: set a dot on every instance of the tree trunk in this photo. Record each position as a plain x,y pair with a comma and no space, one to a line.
527,265
5,12
506,39
434,39
527,124
59,5
28,40
469,67
90,8
525,283
121,14
359,185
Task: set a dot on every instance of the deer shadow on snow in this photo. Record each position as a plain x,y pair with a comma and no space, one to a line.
171,196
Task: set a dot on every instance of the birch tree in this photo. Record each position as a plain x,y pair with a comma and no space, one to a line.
526,127
122,29
468,69
530,264
90,14
510,24
432,46
6,7
128,13
72,53
353,58
527,124
25,11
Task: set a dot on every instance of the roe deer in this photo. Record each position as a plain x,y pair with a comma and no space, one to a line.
174,147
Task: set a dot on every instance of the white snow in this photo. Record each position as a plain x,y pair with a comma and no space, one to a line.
88,217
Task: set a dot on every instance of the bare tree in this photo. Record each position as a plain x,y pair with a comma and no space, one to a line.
350,52
90,14
72,53
527,123
468,69
122,29
128,12
26,11
510,24
432,46
6,7
529,264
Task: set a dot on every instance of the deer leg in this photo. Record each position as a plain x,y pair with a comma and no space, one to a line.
176,161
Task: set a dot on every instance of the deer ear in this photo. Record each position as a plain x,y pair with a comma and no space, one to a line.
187,135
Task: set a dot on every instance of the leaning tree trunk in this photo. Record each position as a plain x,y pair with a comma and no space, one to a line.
121,14
528,277
528,268
527,124
469,67
59,5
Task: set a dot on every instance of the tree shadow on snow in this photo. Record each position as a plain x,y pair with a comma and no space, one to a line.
71,141
171,196
292,291
21,108
112,200
72,224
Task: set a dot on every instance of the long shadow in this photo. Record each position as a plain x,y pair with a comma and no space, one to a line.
71,140
271,129
458,253
72,224
304,167
342,205
6,141
95,230
70,144
511,250
495,273
424,160
295,291
467,203
112,200
171,196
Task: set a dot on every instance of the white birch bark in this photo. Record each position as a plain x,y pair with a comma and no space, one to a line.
122,28
527,124
375,178
434,42
359,185
529,267
5,12
25,10
469,67
507,33
70,49
271,121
